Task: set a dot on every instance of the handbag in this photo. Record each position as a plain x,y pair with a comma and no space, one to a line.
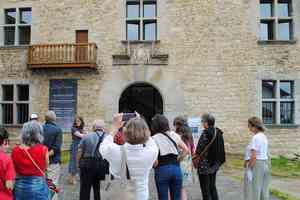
53,189
197,158
97,163
122,188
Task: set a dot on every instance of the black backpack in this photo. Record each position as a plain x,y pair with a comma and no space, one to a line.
96,163
101,165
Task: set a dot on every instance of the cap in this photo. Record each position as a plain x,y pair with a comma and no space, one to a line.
34,116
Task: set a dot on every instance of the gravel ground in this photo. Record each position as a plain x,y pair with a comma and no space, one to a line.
228,188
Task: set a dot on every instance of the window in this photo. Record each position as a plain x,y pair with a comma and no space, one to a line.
278,102
276,20
141,20
17,26
63,101
15,104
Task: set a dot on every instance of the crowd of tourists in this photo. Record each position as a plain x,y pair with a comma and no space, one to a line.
119,159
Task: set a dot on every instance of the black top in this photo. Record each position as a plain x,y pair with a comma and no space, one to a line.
74,137
167,159
215,155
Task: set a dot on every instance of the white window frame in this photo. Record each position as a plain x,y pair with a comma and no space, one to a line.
278,100
15,102
276,19
16,25
141,20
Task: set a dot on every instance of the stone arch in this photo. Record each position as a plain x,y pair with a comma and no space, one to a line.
123,77
143,98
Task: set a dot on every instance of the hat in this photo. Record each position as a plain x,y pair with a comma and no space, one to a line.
34,116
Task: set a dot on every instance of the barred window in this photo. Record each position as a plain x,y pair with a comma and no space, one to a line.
141,20
14,104
17,26
276,20
278,103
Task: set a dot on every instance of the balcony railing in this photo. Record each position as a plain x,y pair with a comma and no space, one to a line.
62,56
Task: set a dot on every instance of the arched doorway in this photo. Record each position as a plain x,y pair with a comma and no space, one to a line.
143,98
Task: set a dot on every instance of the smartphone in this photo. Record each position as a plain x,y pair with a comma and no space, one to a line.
127,116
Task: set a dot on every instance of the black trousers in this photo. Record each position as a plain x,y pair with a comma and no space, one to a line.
208,186
87,181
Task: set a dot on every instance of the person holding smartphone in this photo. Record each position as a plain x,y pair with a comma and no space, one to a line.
119,138
141,152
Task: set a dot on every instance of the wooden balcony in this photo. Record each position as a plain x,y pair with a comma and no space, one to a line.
45,56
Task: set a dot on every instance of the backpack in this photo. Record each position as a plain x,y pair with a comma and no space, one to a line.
96,163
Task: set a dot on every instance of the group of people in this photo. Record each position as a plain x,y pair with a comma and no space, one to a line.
100,155
38,156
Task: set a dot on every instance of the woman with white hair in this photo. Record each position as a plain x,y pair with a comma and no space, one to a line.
31,161
92,167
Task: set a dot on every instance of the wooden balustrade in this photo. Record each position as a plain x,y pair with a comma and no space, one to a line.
62,55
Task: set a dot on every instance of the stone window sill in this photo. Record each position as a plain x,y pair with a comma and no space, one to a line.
12,125
282,126
15,47
140,41
267,42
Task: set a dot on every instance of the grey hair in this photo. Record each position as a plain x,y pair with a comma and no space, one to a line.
98,125
50,116
32,133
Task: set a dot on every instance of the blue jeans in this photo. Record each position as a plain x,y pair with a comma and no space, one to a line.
168,178
31,188
73,169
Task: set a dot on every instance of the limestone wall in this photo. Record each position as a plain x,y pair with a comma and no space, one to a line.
215,61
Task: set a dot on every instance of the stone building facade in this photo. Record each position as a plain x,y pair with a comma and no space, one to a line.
207,56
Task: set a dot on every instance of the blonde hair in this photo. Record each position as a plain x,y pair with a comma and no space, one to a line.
257,123
137,131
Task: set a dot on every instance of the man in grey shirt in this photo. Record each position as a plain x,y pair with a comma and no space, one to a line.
90,159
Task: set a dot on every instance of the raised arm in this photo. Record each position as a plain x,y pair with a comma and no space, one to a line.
110,150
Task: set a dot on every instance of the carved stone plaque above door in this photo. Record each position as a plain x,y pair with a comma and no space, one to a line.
140,53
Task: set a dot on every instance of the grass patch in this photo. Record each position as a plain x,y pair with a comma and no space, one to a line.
281,166
281,195
284,167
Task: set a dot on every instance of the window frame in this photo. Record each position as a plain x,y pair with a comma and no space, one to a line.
141,20
17,25
278,101
276,19
15,102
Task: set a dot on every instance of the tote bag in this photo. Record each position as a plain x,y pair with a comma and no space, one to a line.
114,189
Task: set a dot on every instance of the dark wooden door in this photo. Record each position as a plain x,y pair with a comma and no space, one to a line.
82,39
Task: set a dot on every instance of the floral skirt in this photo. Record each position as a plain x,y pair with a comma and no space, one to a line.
187,171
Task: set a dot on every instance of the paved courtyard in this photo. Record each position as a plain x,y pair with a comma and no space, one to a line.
229,189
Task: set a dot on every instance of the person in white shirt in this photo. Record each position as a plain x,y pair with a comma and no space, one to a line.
257,165
141,152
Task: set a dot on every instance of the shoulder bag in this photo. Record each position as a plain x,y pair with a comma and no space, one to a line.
96,161
53,189
197,158
119,188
